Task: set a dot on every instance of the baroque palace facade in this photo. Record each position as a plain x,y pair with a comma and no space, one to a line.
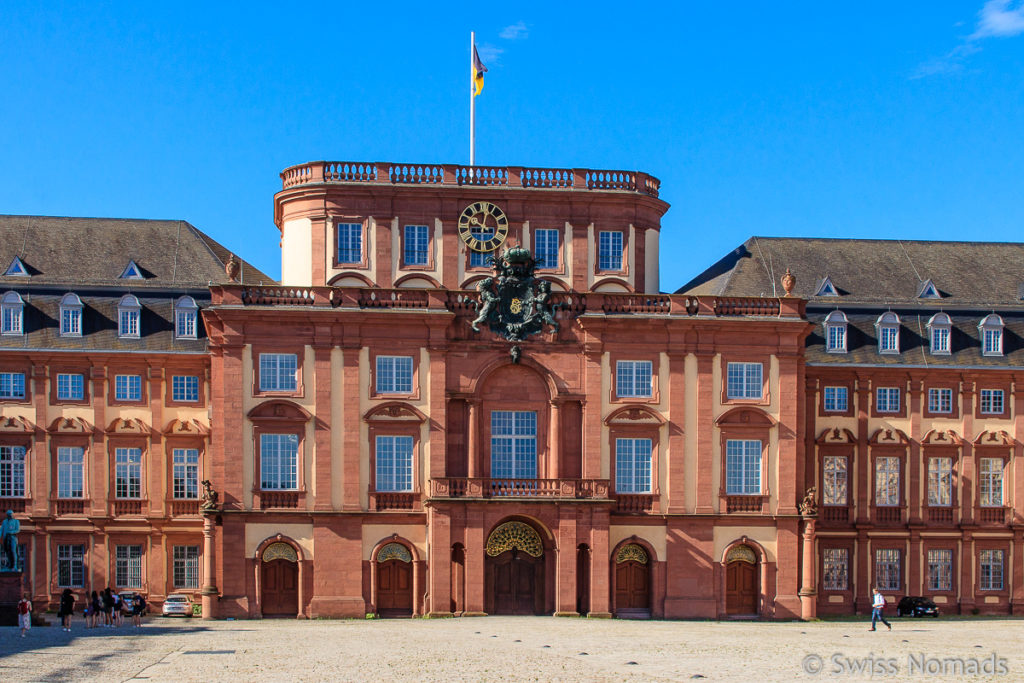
468,396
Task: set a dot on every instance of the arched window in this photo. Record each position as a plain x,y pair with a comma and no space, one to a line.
835,332
939,332
12,309
129,313
991,331
186,313
70,315
888,329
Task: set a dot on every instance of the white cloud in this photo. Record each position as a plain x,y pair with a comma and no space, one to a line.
1001,19
515,31
489,54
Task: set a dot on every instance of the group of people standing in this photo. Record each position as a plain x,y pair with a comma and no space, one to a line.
105,609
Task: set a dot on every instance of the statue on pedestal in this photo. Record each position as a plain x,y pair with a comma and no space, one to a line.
9,540
209,503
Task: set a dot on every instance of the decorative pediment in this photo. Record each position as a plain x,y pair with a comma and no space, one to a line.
634,415
193,427
889,437
131,425
70,425
745,417
279,411
15,424
942,437
394,411
835,436
994,438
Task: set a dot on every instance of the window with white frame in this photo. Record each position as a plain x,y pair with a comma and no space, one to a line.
991,401
940,482
609,250
279,372
12,471
128,472
12,385
888,329
185,388
70,386
185,473
128,387
742,467
744,380
887,481
350,242
887,399
633,378
835,332
128,566
633,465
514,444
70,472
416,249
479,259
991,575
991,482
393,457
394,374
836,569
70,315
12,313
185,572
129,313
940,569
545,248
17,269
940,400
186,317
834,479
837,399
887,569
279,462
940,328
70,566
991,331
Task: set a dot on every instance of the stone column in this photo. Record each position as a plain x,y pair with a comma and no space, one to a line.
808,584
473,442
555,441
209,591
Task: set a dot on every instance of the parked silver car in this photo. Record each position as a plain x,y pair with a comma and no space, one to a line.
177,604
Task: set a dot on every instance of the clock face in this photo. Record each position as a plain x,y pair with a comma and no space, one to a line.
483,226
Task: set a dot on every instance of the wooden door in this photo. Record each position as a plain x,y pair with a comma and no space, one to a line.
632,588
394,588
280,588
516,583
583,580
741,591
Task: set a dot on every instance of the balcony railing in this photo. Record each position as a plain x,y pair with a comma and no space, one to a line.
184,508
15,504
835,514
279,500
70,506
992,515
635,503
551,489
128,507
940,515
747,504
394,500
888,515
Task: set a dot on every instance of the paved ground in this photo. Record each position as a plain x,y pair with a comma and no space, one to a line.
512,648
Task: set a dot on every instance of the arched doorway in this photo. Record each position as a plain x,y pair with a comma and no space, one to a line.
741,581
632,582
394,581
279,581
514,570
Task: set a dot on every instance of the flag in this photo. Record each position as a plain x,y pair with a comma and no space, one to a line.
478,73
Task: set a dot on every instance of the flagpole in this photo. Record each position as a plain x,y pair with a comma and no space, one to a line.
472,101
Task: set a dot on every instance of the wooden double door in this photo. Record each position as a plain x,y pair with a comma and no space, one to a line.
741,589
279,588
515,583
632,589
394,588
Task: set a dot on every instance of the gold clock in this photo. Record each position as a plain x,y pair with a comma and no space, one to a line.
483,226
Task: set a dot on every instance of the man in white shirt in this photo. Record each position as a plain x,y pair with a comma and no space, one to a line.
877,605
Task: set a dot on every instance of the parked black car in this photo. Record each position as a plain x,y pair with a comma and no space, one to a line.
916,607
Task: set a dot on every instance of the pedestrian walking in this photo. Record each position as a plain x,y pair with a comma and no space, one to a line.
67,608
877,605
24,614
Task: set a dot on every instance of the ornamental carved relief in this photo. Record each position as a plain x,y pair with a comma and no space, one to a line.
514,535
741,553
279,551
394,551
631,552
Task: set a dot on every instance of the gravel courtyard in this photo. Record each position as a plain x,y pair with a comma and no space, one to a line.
513,648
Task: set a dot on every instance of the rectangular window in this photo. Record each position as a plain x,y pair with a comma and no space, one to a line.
836,338
279,372
940,340
993,342
836,399
394,374
12,319
940,570
12,471
185,324
991,477
128,325
887,569
350,243
70,566
128,387
394,463
185,388
514,444
609,251
742,467
836,571
633,465
70,322
186,566
417,245
128,566
185,471
128,472
940,482
546,248
70,387
633,378
279,462
478,259
889,339
70,466
887,481
834,480
991,570
991,401
887,399
743,380
940,400
12,385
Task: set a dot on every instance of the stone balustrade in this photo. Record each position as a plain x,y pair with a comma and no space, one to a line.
500,488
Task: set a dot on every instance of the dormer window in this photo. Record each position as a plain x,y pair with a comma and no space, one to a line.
939,330
131,272
16,269
826,288
991,331
928,290
835,332
12,312
888,329
70,315
129,312
185,314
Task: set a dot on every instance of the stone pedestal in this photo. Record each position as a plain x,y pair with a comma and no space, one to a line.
11,588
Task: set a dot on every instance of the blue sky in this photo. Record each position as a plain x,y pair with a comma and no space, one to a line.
868,119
